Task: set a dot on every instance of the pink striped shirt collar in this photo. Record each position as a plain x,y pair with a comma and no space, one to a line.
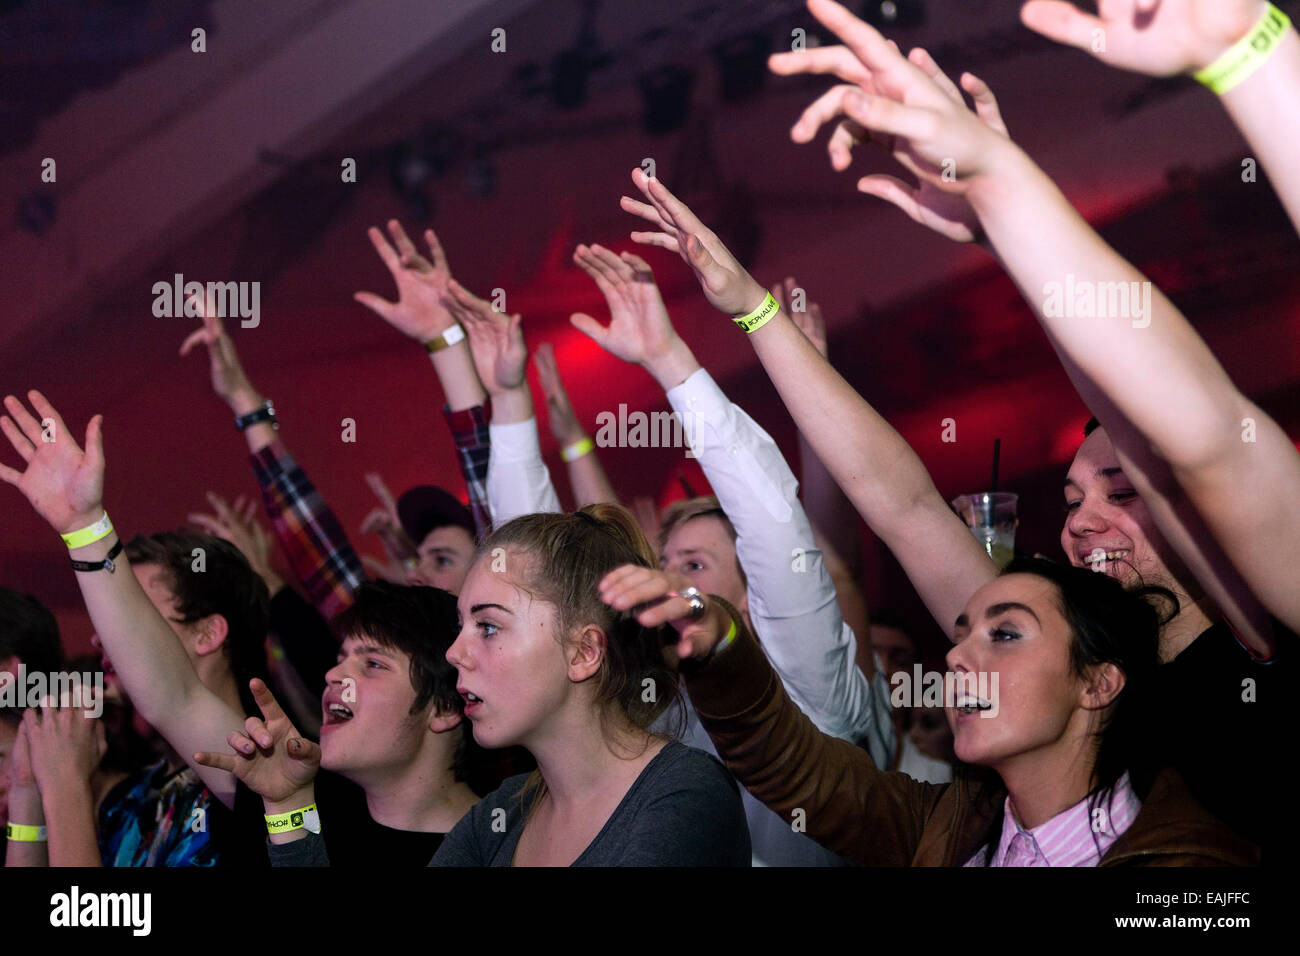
1078,836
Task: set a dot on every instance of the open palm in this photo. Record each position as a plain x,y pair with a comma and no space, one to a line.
64,484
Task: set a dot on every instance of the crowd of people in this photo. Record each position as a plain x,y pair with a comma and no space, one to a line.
518,685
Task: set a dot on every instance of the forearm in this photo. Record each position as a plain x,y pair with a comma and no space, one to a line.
878,471
518,482
25,808
589,482
70,816
148,658
1102,313
261,434
849,806
309,533
454,366
1266,108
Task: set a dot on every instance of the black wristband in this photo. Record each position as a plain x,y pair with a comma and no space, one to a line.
105,565
265,413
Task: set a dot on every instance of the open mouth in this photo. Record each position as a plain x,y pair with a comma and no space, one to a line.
336,714
1097,560
967,705
471,700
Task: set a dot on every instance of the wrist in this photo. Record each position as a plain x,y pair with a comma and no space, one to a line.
83,519
673,366
1006,170
244,401
300,798
25,805
511,405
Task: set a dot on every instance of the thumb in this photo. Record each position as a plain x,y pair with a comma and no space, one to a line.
301,749
381,307
1060,21
95,443
590,327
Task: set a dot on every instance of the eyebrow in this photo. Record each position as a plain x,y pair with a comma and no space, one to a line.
1100,473
1005,606
483,607
368,649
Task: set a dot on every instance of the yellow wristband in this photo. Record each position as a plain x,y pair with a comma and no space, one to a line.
575,451
79,539
21,833
305,819
445,340
725,642
1248,54
760,316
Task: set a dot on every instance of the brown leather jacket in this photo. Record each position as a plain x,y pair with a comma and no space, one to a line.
877,818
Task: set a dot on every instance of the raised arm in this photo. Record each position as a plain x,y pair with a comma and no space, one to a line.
518,482
586,474
309,534
1188,414
65,486
423,312
791,597
834,522
881,475
1170,37
25,807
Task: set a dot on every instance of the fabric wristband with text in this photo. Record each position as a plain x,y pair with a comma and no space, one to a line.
90,534
446,340
760,316
576,450
305,819
21,833
1248,54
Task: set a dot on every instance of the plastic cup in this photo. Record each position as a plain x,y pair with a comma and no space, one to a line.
991,517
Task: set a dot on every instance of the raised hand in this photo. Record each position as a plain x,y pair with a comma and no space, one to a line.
238,524
64,745
630,586
64,484
809,320
420,311
1156,37
725,282
228,378
639,330
496,340
559,410
909,105
270,756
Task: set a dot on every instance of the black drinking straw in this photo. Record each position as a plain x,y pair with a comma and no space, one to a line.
997,449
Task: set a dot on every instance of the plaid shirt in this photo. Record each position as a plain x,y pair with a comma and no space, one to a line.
469,428
313,540
311,536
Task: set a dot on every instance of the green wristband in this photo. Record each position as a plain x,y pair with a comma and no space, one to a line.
760,316
1248,54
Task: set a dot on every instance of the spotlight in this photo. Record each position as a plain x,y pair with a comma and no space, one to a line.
667,99
883,14
742,63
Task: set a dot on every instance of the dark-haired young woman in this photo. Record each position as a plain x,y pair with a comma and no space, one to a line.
1055,773
546,665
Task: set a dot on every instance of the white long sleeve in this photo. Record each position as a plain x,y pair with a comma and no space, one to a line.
518,482
792,600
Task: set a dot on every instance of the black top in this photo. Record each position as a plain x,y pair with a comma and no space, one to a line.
1221,723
